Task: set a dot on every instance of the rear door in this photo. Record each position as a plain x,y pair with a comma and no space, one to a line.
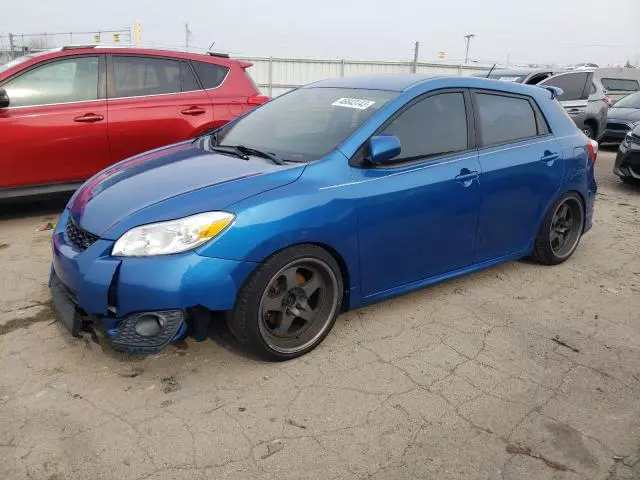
522,172
55,128
153,101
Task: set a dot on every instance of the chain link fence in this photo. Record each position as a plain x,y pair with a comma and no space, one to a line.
15,45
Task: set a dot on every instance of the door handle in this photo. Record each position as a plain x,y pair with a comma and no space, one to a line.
466,177
549,157
193,111
89,118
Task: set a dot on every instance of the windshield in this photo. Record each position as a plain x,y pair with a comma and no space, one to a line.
14,62
630,101
305,124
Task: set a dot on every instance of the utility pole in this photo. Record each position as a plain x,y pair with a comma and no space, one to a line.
414,65
12,46
187,36
467,39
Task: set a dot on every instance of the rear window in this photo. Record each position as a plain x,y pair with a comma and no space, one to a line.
505,119
210,74
572,85
621,84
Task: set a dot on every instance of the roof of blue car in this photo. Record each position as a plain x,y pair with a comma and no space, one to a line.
396,83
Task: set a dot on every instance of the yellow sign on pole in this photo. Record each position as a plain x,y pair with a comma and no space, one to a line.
116,37
441,55
96,38
136,31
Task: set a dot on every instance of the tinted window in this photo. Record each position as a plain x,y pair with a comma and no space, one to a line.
137,76
433,126
572,85
307,123
189,82
505,119
620,84
210,74
70,80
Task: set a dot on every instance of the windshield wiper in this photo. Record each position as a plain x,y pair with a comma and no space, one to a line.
259,153
236,152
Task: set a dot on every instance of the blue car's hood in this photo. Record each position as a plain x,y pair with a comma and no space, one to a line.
631,114
158,186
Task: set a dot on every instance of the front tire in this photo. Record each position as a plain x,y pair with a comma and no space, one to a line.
561,230
289,304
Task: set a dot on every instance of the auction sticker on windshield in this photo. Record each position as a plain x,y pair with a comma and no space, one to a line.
358,103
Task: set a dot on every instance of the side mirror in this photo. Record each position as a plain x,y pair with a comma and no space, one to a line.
4,98
384,148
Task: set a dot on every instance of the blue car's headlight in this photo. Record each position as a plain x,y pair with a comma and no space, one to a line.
173,236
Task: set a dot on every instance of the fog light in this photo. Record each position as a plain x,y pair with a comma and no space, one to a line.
149,325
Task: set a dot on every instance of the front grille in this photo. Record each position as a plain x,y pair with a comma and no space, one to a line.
78,237
618,126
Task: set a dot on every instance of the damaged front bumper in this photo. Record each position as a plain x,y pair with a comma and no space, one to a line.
142,303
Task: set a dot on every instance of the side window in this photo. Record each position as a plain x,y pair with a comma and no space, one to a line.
572,85
138,76
210,74
70,80
504,119
433,126
189,82
620,84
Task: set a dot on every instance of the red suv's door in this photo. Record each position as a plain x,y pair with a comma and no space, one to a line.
153,101
55,127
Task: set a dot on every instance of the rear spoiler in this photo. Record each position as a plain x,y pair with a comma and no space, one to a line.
555,91
244,64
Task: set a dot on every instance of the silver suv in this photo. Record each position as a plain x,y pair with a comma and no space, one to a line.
584,99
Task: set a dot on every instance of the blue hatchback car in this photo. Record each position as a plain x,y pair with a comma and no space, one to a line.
331,197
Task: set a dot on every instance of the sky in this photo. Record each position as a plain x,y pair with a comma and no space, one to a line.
520,31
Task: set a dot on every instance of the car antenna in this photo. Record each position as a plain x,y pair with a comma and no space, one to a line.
211,46
491,70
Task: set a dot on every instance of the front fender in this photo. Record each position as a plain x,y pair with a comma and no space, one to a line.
307,211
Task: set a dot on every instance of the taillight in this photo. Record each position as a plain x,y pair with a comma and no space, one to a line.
592,150
608,101
257,99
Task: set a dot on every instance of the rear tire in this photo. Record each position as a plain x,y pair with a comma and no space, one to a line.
589,131
561,230
289,304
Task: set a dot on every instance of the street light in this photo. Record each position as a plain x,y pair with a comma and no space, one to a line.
467,39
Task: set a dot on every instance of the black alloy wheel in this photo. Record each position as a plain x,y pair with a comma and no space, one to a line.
561,230
289,304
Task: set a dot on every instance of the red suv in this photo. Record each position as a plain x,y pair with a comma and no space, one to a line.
68,113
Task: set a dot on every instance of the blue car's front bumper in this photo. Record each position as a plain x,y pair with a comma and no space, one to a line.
118,290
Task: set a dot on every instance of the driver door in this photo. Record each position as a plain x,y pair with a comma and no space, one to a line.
55,127
417,217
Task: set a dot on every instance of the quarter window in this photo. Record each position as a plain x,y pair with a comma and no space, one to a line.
69,80
504,119
434,126
210,74
138,76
